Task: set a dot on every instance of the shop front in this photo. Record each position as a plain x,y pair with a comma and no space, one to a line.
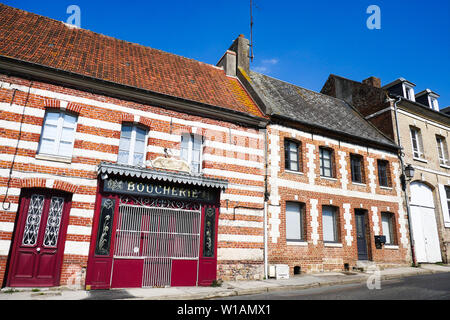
153,228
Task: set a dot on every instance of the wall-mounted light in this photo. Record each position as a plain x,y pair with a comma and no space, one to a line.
409,171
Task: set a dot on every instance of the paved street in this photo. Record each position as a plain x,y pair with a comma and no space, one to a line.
423,287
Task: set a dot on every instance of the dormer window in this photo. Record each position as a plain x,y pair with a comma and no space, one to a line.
434,103
408,92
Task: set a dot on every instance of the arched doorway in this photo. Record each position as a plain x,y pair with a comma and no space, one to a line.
423,223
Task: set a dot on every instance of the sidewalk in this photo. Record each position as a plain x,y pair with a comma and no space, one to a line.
228,288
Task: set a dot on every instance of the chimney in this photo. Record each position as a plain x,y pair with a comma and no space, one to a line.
228,63
373,81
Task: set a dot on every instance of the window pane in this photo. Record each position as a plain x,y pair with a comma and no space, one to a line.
50,131
197,142
139,146
124,144
138,158
385,223
123,157
65,149
47,146
67,134
293,166
328,219
70,120
126,131
52,118
195,156
293,221
140,134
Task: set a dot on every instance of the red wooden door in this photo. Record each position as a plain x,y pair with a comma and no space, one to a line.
39,240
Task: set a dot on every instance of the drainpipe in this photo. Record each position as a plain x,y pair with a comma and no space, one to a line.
400,156
266,198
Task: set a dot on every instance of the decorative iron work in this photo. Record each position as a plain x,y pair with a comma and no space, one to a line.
105,227
208,242
159,203
33,220
53,222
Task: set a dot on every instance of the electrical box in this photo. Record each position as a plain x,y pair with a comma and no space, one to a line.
279,271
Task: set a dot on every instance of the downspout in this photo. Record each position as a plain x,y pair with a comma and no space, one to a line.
403,180
266,198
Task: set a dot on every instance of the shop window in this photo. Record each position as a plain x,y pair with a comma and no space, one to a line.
191,151
58,134
133,141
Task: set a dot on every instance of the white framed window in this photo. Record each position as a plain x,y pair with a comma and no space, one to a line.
409,92
58,134
434,103
387,224
294,221
191,151
442,150
417,145
330,224
132,145
326,162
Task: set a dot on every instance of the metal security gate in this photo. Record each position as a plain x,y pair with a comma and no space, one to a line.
149,240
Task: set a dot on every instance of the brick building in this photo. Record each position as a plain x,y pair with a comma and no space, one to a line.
122,165
415,122
333,178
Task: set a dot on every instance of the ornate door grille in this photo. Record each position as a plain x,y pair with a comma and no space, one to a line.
158,235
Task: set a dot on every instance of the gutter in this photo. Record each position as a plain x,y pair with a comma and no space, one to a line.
13,66
391,147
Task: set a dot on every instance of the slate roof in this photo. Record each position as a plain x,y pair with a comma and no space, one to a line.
43,41
314,109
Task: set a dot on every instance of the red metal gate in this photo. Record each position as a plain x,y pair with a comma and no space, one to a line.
156,246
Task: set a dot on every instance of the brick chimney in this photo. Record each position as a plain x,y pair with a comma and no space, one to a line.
241,48
373,81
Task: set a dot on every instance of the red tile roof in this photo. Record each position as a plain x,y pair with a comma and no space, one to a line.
44,41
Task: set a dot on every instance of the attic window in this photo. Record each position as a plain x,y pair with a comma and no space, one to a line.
434,103
408,92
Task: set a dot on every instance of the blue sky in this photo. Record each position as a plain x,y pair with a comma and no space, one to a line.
301,42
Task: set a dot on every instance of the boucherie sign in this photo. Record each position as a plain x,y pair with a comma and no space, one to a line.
158,190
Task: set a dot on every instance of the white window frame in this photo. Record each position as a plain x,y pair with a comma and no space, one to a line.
408,92
190,148
59,130
442,150
133,144
433,102
416,135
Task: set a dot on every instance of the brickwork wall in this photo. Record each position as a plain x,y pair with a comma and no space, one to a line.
230,152
314,191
